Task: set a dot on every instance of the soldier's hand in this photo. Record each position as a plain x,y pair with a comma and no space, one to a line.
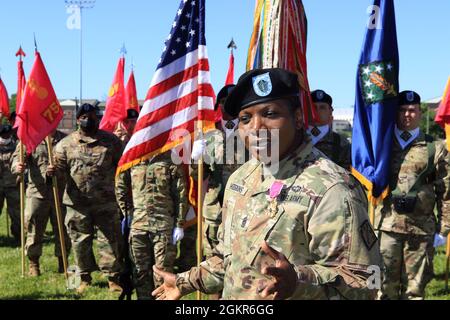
168,290
20,168
51,171
284,276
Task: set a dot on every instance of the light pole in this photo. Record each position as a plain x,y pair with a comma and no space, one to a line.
80,5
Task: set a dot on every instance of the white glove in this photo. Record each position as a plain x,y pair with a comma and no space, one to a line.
178,235
198,149
439,240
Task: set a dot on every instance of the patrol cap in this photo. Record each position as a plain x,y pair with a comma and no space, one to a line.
132,114
259,86
223,93
5,129
408,97
86,108
321,96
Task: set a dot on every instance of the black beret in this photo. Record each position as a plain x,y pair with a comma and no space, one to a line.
5,129
223,93
86,108
321,96
132,114
259,86
408,98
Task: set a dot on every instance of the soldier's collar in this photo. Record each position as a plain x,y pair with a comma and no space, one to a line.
413,135
84,138
322,132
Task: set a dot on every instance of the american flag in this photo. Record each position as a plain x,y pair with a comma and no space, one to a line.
180,93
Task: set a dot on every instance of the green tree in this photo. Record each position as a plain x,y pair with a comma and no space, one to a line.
428,125
12,102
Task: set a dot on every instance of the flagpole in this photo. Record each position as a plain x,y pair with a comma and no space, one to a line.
81,4
59,218
200,206
21,54
22,210
447,254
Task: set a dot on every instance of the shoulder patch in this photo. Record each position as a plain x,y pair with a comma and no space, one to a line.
368,235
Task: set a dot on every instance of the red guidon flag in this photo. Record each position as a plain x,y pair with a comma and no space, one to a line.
21,79
115,111
230,73
443,114
4,101
180,93
131,93
40,111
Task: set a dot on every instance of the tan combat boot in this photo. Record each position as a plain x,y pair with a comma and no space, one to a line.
114,286
34,267
86,281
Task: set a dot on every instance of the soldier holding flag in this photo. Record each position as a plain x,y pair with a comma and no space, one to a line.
39,203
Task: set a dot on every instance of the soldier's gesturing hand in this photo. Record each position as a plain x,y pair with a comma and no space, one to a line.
284,276
169,290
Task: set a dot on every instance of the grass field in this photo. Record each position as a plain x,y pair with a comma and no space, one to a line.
51,285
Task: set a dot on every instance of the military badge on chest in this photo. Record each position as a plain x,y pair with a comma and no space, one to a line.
274,192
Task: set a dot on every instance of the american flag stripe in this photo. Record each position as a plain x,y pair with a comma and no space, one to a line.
179,65
180,93
180,77
177,93
187,102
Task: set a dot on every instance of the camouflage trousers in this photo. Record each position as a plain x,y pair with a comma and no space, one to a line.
148,249
37,214
187,257
408,265
213,218
82,223
12,197
210,240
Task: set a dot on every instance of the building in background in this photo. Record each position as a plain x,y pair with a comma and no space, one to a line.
69,123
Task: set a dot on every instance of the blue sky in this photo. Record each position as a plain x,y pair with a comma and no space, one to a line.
336,31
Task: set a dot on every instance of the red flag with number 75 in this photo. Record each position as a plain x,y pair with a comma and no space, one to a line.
40,112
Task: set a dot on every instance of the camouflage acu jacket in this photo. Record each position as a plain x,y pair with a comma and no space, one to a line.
160,194
337,148
7,178
406,166
39,185
223,158
89,164
319,223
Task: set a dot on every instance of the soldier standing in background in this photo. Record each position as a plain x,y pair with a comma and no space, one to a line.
124,130
88,158
159,208
40,204
8,181
406,219
333,145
